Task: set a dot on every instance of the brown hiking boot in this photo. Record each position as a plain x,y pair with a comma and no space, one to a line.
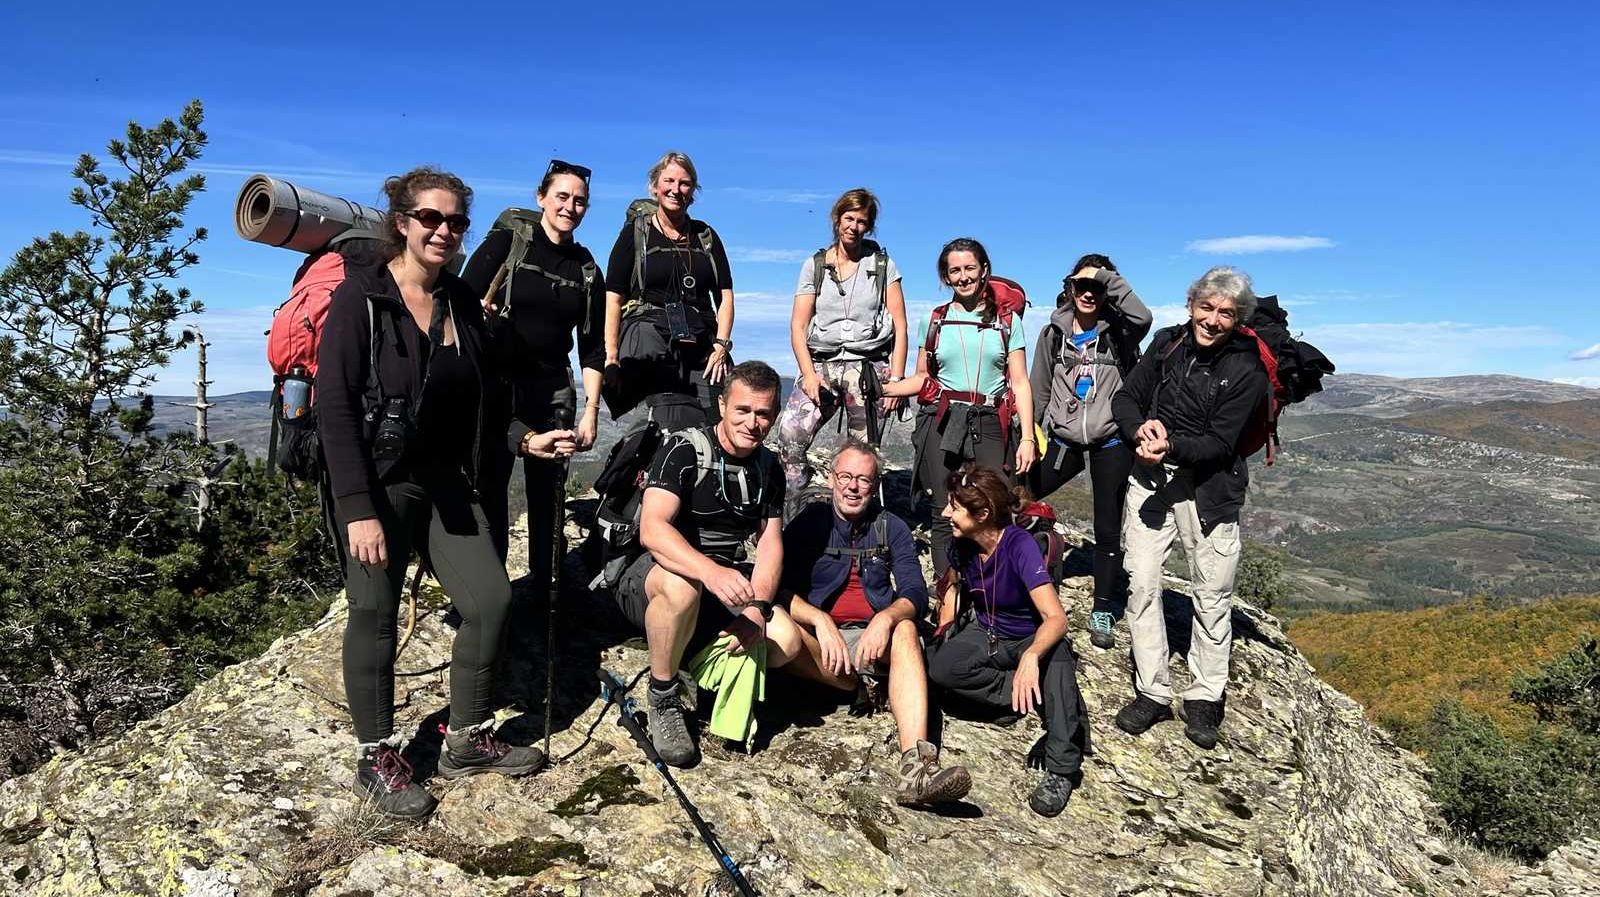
924,784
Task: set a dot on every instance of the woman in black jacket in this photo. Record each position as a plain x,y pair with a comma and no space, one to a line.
400,395
550,292
669,305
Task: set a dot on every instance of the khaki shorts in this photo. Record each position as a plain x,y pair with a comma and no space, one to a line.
852,632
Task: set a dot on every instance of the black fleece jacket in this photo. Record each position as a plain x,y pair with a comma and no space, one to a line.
347,399
1205,397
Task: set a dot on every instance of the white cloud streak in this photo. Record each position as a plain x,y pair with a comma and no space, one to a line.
1254,243
795,197
759,255
1428,349
1586,354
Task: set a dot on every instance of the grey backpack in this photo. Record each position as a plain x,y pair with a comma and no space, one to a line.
521,222
866,334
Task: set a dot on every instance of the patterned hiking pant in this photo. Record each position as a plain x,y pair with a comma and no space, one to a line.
801,418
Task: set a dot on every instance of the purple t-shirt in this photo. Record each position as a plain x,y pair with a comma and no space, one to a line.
998,588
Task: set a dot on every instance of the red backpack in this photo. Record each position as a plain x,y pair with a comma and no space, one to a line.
292,344
1039,519
1009,299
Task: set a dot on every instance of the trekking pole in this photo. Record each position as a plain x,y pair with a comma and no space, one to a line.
612,688
558,538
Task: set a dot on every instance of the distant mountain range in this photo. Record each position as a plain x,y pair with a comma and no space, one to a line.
1389,492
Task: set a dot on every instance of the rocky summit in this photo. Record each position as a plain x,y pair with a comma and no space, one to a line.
243,788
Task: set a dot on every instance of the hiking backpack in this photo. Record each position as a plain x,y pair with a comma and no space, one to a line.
292,344
614,542
1039,519
1294,371
1009,300
640,211
873,339
521,224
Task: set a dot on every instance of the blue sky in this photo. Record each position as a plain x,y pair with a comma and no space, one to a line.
1431,163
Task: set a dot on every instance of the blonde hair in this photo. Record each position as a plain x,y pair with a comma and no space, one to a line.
673,157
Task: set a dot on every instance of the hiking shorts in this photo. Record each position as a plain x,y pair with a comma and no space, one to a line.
851,633
632,599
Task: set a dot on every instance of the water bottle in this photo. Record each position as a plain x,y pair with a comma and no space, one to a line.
296,393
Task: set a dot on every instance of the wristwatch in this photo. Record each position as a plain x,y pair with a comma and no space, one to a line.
766,608
724,343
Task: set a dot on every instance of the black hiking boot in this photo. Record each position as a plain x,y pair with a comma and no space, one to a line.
1142,713
1200,722
1050,796
383,777
1101,634
476,750
924,784
669,730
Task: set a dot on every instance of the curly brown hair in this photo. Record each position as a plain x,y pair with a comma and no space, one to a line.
402,191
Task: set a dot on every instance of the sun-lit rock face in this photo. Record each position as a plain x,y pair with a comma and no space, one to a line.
243,789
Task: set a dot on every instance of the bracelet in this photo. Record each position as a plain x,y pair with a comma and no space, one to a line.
1029,439
724,343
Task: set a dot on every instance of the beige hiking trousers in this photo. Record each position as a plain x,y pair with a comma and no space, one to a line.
1161,506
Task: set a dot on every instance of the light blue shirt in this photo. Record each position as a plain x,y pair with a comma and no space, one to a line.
969,353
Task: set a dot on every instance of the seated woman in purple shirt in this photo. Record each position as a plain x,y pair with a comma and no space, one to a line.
1001,642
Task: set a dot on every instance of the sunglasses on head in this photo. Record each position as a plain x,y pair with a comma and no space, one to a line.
432,218
559,167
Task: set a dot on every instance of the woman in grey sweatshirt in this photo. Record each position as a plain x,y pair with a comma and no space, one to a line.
1091,341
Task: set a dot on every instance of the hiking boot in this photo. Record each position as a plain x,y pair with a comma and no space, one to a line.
1050,796
477,750
669,731
1200,722
924,784
384,778
1100,632
1137,717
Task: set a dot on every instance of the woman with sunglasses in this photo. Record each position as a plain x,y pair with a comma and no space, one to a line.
537,301
669,305
972,381
402,377
1001,644
848,330
1089,345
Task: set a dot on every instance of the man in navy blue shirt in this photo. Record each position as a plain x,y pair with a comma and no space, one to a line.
856,590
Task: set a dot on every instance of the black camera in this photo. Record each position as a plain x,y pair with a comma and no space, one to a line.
394,431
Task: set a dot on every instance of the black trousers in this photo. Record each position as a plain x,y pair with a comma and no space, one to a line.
934,464
962,666
1109,467
433,513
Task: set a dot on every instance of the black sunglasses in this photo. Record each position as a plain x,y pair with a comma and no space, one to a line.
1083,286
559,167
432,218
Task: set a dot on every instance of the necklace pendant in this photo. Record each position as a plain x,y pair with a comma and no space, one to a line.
688,281
994,642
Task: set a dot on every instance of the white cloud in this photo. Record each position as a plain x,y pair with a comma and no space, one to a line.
1591,382
1586,354
1167,315
797,197
1252,243
756,254
1428,349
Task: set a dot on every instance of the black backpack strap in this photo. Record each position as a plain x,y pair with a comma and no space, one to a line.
708,240
819,270
591,274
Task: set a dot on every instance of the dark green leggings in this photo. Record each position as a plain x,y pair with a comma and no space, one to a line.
435,514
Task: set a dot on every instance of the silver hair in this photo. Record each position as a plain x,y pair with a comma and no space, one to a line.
1224,282
856,445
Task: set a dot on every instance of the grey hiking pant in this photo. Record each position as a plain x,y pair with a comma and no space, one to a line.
961,665
435,514
1160,508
